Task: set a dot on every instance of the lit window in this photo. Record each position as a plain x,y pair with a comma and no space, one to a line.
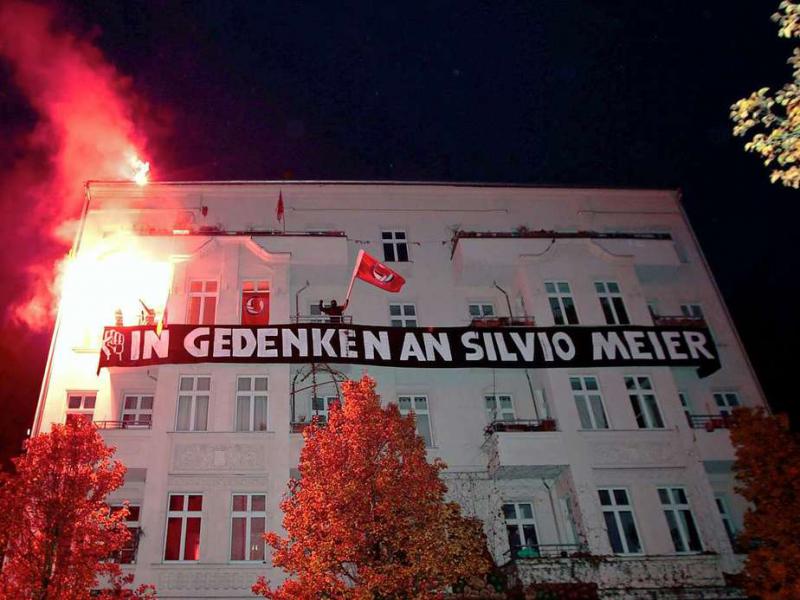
202,302
80,405
520,526
643,402
611,302
248,523
127,555
680,520
251,404
589,402
726,402
184,517
693,311
321,406
403,315
395,246
419,406
620,524
137,410
561,303
499,408
480,310
193,397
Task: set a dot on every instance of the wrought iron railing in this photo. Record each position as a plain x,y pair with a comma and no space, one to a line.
521,425
709,422
547,551
677,320
503,322
123,424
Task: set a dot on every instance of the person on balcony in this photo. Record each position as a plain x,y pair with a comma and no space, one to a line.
334,310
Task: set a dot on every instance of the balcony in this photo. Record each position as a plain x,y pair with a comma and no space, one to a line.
677,320
523,449
709,422
547,551
124,424
322,319
503,322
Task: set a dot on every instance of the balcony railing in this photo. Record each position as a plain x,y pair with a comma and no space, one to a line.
347,319
709,422
123,424
521,425
677,321
548,551
503,322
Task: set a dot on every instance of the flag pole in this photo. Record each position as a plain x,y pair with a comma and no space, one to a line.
353,276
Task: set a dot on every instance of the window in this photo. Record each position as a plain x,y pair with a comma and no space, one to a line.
315,312
251,403
193,403
520,526
137,410
248,523
321,406
694,311
202,302
80,406
687,407
480,310
611,302
183,527
726,402
395,246
727,520
419,406
643,401
499,408
561,303
402,315
589,402
680,520
621,526
127,555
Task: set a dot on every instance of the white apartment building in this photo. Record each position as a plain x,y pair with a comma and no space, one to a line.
616,475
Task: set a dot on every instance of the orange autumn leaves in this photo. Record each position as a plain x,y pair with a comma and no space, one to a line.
368,518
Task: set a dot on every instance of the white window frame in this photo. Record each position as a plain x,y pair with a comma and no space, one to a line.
693,310
722,401
616,510
248,515
412,398
81,410
203,294
477,310
728,523
558,295
637,394
494,410
616,310
316,315
394,239
520,522
251,396
138,412
324,413
586,392
193,395
131,524
183,515
403,319
686,405
679,509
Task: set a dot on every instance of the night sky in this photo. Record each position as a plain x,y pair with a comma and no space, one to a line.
625,93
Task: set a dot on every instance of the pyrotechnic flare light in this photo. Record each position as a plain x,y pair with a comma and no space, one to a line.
140,170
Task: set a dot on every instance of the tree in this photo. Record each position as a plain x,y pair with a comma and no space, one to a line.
56,530
368,519
768,472
778,114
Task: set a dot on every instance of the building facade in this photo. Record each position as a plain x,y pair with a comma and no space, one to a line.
620,476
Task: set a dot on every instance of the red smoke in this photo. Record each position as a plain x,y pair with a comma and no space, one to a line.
84,130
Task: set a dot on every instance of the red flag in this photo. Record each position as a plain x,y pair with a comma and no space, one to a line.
279,208
255,308
370,270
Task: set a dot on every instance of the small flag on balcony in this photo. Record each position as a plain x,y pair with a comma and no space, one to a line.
279,209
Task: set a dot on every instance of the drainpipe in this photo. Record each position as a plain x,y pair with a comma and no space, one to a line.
508,300
553,508
297,302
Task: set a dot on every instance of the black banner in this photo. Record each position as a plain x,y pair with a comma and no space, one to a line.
418,347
